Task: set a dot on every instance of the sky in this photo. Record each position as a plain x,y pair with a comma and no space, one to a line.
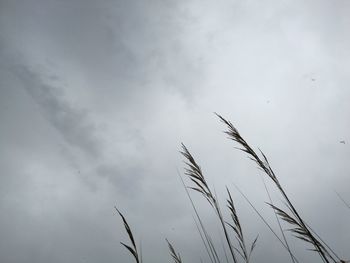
96,98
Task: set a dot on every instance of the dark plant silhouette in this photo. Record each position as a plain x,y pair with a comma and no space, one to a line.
289,214
133,249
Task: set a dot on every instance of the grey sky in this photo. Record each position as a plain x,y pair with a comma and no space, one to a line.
96,97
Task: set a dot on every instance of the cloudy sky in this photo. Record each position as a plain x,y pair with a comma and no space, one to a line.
97,96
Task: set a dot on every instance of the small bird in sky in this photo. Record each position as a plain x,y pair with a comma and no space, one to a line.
343,142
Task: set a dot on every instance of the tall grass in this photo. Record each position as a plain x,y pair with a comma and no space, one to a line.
234,239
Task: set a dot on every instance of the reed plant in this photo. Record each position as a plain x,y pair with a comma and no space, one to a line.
234,238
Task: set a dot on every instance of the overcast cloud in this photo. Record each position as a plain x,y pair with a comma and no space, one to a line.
97,96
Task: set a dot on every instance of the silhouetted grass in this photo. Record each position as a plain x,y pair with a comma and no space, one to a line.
133,249
176,257
289,214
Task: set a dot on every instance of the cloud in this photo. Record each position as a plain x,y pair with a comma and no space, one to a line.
72,123
95,98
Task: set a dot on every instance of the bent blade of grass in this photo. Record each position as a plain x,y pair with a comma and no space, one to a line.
176,257
253,246
133,249
343,200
